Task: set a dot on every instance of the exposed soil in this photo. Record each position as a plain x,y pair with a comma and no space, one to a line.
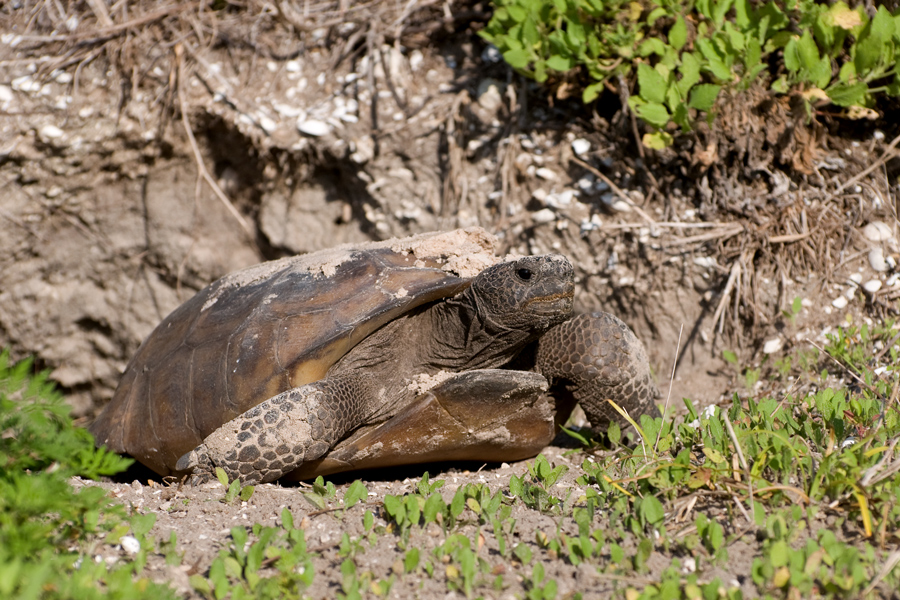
138,168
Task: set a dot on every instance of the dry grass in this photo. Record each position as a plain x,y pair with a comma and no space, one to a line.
785,227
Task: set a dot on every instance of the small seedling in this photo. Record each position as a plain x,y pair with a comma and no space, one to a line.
233,489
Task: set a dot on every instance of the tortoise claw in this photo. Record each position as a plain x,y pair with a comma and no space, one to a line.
198,464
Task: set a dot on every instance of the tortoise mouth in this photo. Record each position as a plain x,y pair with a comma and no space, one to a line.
553,304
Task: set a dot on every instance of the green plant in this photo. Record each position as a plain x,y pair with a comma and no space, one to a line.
233,489
321,493
49,532
236,572
683,54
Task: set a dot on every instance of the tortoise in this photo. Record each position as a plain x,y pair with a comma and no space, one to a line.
386,353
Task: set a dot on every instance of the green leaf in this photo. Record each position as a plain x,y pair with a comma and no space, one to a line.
651,46
742,14
233,490
657,140
614,433
780,85
820,74
730,357
721,9
517,13
395,508
458,504
540,71
678,33
411,560
714,455
142,524
690,74
779,553
287,519
655,14
735,37
872,43
703,96
222,476
591,92
560,63
652,85
433,505
517,59
807,51
848,95
356,492
651,510
531,37
523,553
247,493
714,62
516,485
653,113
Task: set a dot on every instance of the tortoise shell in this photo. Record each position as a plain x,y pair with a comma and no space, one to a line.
269,328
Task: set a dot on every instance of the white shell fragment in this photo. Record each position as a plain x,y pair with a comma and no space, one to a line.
872,286
545,215
878,231
490,94
547,174
130,544
707,262
51,132
314,127
876,260
581,146
772,346
839,302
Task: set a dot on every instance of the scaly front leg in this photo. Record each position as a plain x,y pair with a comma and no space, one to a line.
278,435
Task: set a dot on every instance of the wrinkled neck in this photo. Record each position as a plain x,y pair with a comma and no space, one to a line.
463,331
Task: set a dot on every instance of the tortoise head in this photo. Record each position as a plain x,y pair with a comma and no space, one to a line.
532,293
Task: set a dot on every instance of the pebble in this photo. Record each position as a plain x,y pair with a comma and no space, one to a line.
878,231
50,132
872,286
130,544
415,60
581,146
707,262
561,199
490,94
876,260
545,173
839,302
314,127
491,55
545,215
268,125
613,201
772,346
856,278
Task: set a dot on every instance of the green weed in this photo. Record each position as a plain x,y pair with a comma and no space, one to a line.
683,55
49,532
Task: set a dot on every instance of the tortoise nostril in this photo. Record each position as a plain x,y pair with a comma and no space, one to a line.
524,273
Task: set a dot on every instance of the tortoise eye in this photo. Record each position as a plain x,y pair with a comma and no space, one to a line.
523,273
